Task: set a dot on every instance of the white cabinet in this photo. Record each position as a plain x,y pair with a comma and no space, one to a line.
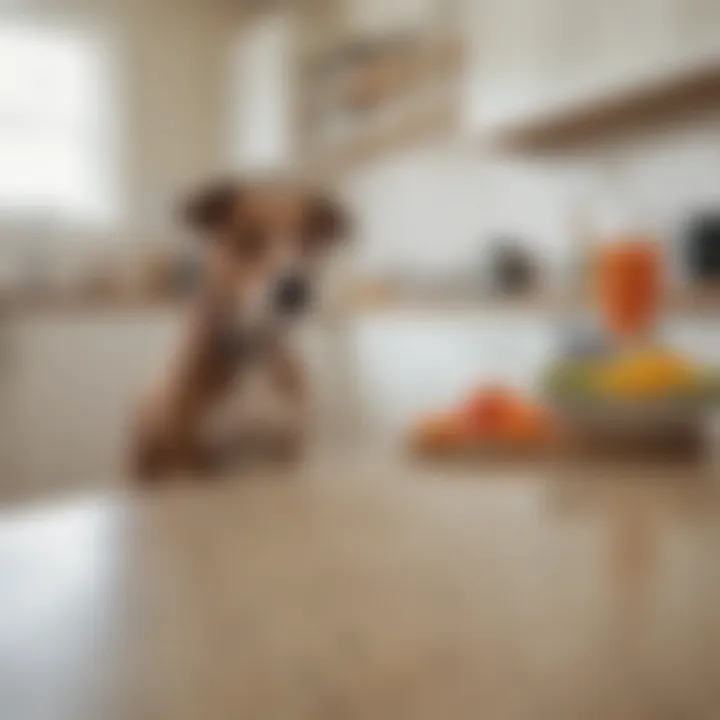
509,56
380,16
604,47
535,60
698,24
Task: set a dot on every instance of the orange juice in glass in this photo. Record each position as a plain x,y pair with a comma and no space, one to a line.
630,285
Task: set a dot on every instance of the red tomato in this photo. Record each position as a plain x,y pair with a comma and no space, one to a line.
488,407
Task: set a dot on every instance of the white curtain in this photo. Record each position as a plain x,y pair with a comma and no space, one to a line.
52,144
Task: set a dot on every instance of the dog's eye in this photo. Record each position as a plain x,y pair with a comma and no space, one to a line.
250,246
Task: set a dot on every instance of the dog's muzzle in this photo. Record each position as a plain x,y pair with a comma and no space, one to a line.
292,295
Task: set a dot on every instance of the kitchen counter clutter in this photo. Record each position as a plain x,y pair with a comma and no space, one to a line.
494,422
90,279
648,405
651,402
82,304
624,391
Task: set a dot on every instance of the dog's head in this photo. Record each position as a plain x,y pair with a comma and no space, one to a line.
264,244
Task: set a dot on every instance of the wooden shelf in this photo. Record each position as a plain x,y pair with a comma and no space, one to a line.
393,137
375,298
400,92
654,98
399,71
70,305
691,302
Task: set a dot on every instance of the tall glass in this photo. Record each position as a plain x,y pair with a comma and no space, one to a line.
630,286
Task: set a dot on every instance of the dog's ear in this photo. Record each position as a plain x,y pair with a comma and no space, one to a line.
211,207
327,220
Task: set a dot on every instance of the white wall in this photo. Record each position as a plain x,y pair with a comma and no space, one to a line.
171,61
434,208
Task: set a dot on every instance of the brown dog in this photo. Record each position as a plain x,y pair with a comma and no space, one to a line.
263,247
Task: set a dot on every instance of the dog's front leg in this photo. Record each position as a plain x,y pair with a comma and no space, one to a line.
290,383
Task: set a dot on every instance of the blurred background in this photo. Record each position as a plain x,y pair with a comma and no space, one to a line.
487,150
532,288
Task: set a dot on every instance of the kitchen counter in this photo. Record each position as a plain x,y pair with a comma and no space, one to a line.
360,583
356,587
701,302
68,380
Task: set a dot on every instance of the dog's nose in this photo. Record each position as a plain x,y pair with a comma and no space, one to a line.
292,295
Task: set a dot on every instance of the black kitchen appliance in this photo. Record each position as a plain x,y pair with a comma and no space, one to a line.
702,247
513,269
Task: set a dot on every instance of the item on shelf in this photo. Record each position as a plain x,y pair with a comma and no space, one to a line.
513,270
630,286
702,247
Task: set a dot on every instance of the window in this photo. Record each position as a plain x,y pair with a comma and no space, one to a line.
54,143
262,94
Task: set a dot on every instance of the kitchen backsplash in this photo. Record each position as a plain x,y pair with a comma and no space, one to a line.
434,210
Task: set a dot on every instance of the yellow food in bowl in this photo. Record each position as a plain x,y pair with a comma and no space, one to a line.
647,374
